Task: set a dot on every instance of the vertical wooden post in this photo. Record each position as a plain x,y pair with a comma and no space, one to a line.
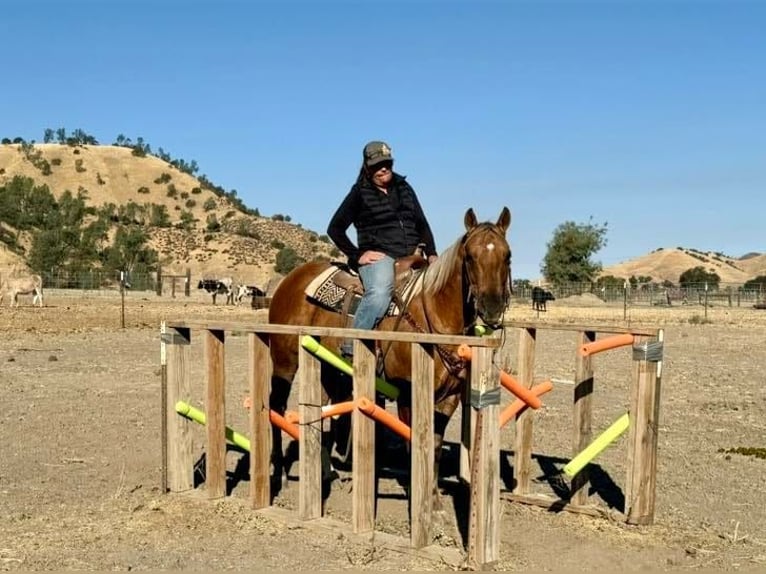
523,450
363,440
467,424
178,440
422,477
484,522
259,374
187,284
582,416
644,420
215,457
310,413
158,284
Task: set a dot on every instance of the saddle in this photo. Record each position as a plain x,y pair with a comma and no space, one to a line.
339,289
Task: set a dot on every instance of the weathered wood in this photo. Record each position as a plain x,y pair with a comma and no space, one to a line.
310,413
561,326
522,466
259,369
583,415
557,504
422,446
338,332
180,472
642,441
363,441
484,520
215,456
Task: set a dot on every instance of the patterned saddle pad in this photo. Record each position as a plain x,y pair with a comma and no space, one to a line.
331,287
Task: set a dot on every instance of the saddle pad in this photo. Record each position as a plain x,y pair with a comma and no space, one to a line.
326,292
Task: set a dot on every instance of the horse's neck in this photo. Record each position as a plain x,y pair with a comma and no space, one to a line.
444,309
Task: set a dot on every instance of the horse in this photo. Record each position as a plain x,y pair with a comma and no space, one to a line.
27,285
469,282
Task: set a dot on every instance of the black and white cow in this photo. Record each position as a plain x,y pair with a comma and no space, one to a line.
539,298
243,291
223,286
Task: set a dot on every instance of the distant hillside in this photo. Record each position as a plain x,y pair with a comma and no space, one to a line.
669,264
245,247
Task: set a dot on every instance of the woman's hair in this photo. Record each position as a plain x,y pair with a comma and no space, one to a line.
363,175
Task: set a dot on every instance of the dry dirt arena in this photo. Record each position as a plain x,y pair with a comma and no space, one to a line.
80,452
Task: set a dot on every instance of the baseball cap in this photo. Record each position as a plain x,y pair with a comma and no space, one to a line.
377,152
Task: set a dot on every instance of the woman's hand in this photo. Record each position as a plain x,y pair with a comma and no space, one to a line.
370,257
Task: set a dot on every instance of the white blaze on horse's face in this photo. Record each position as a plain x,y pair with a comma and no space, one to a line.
487,258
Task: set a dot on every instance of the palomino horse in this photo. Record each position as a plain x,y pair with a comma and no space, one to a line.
470,281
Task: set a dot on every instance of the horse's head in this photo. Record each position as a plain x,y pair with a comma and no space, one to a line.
487,265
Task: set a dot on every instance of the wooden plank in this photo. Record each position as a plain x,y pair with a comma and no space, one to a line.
310,413
215,456
583,416
642,440
522,465
363,441
180,471
467,424
561,326
277,329
259,378
557,504
484,519
422,446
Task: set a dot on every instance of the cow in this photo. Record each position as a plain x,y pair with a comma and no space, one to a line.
539,298
243,291
223,286
15,286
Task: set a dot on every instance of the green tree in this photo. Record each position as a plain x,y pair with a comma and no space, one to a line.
699,275
568,258
757,284
129,251
287,260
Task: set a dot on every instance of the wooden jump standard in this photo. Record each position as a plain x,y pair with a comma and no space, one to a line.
178,463
644,412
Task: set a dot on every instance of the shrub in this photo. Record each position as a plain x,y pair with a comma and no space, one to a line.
209,204
78,166
190,203
143,189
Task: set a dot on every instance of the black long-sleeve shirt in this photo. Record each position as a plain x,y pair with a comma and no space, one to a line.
393,223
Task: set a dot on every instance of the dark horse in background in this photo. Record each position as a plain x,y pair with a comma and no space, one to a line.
468,283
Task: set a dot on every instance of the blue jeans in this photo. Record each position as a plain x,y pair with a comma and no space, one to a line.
378,280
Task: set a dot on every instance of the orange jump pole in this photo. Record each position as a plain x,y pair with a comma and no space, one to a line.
605,344
332,410
511,384
384,417
279,421
519,405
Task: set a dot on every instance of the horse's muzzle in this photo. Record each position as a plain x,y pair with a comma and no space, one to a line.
491,310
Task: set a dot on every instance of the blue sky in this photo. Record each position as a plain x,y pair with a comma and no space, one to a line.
647,115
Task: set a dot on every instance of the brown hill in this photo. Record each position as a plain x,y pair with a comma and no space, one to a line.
245,248
669,264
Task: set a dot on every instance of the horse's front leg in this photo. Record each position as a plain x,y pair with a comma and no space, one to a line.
442,415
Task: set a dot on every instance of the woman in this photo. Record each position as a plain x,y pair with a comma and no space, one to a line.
389,224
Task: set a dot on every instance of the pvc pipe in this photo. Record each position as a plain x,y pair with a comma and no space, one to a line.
518,405
594,449
511,384
313,346
382,416
198,416
331,410
605,344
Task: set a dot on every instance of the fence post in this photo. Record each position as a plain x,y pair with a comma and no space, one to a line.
158,284
187,285
583,398
178,440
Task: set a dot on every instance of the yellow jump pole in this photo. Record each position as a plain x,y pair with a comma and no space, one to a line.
313,346
594,449
186,410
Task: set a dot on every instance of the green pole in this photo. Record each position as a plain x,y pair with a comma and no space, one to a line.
198,416
313,346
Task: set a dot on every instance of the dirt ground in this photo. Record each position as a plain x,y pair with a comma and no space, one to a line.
80,453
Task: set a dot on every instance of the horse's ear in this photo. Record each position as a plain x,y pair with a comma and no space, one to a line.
470,219
504,221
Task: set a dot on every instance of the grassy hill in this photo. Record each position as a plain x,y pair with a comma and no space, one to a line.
669,264
245,247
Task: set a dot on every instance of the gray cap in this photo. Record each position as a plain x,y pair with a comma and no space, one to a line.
377,152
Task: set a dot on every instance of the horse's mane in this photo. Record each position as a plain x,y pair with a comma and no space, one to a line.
439,272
